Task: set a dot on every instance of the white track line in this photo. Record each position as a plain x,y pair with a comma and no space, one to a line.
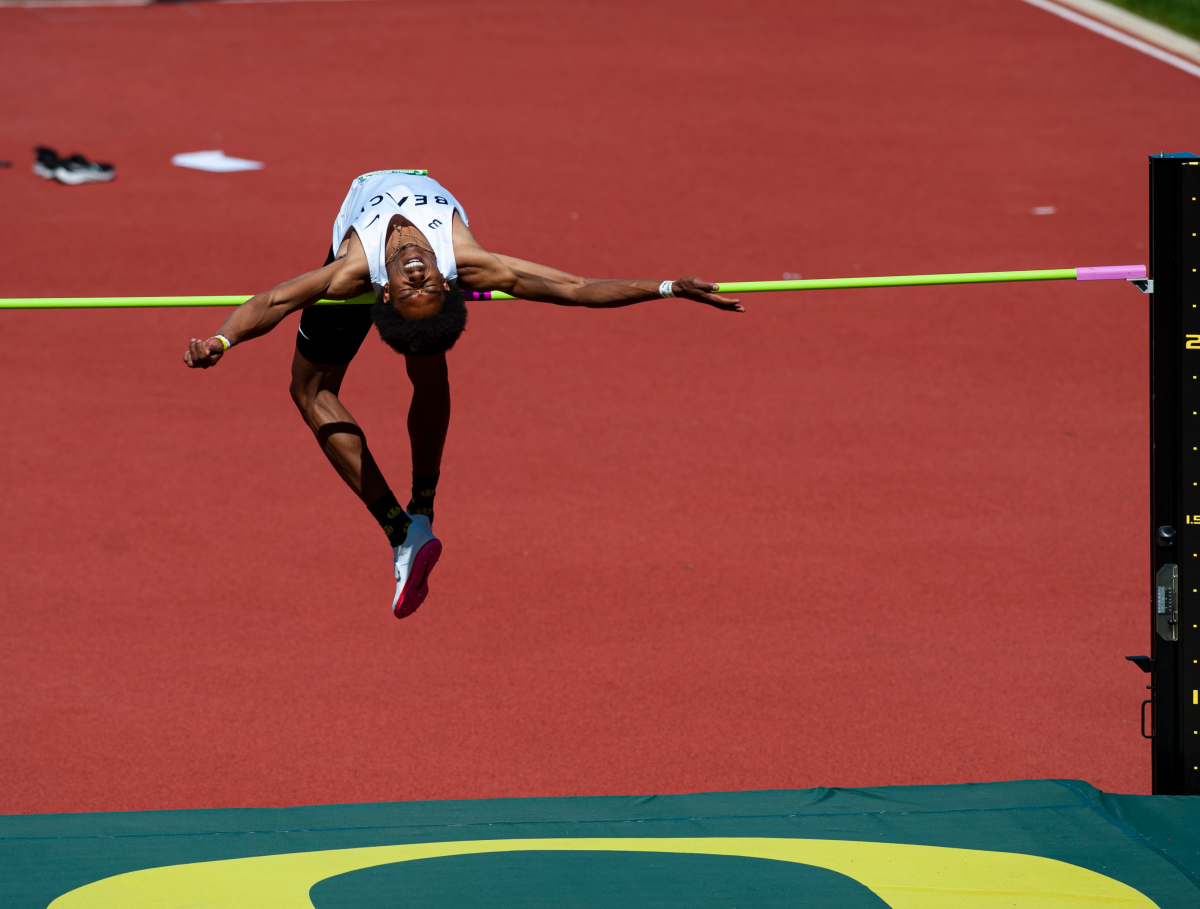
1133,24
1116,35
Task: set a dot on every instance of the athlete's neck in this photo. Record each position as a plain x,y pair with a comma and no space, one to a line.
403,233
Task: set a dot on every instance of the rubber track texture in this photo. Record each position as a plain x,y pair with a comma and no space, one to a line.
851,539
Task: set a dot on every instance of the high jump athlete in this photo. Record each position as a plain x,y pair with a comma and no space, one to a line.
405,237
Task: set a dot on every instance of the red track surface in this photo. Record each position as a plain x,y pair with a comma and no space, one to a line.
846,539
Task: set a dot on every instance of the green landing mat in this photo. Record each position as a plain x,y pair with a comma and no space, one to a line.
1058,844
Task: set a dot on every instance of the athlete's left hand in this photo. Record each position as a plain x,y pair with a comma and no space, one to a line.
690,287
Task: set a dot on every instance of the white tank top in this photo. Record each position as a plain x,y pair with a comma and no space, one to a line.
375,197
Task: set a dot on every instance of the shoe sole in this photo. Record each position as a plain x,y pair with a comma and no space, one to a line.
78,179
417,587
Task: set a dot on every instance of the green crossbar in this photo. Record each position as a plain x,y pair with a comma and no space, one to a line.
1111,272
978,277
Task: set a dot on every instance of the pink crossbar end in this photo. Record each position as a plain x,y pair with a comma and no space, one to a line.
471,295
1110,273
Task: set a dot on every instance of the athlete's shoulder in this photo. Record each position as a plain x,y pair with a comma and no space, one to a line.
350,273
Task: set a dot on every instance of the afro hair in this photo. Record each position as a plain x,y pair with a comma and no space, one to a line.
422,337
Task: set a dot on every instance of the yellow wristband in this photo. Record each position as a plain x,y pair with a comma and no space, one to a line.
225,343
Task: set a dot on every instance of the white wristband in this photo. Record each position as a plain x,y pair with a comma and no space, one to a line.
225,342
664,289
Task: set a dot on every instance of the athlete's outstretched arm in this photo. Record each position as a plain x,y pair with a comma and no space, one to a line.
479,269
342,279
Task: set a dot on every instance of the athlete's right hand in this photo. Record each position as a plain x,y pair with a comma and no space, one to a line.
203,354
690,287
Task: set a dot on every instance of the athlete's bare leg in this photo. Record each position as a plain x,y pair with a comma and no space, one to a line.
315,388
429,413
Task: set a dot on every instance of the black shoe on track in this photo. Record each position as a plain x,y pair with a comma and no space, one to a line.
46,163
78,169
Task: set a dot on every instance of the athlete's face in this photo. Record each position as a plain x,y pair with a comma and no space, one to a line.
415,286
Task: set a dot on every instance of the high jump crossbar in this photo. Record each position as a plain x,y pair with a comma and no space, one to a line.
1134,273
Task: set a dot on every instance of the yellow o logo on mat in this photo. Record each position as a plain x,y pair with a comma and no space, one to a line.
903,876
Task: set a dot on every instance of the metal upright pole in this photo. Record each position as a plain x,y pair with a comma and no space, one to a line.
1175,474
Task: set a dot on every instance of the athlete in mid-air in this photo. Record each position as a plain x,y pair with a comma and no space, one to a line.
405,237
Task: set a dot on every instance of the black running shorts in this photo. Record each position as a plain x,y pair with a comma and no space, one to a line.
331,335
